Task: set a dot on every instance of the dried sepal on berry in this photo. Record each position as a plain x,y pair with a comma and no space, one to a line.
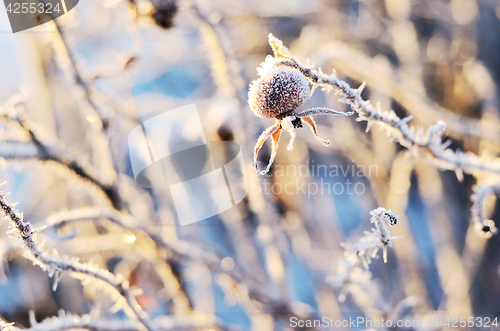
280,50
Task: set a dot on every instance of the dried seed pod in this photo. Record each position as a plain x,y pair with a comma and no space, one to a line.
278,92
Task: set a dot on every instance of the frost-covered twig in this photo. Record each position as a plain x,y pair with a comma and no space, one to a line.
63,217
6,326
55,151
379,237
56,266
483,226
18,150
180,250
69,321
387,80
350,276
129,223
428,146
67,64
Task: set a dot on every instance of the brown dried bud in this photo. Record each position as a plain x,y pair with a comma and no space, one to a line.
277,92
164,12
225,133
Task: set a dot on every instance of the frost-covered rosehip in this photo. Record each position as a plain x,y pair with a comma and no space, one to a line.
281,89
278,92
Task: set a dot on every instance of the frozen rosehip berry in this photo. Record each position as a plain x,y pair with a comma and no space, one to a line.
278,93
